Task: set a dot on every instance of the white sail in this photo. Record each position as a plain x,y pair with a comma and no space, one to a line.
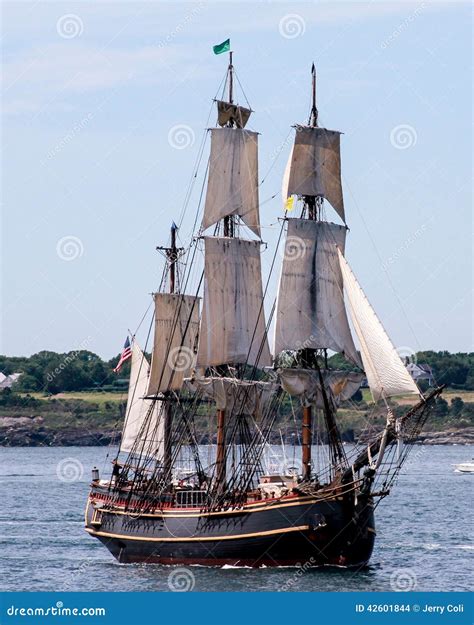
233,178
316,166
386,373
310,309
143,427
176,328
232,327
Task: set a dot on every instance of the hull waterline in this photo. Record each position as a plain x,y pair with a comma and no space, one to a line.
289,532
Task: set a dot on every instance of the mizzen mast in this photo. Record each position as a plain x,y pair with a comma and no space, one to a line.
172,253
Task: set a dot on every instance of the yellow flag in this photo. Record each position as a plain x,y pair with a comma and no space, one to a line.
289,203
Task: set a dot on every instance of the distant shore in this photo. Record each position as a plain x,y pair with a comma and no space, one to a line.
95,419
31,432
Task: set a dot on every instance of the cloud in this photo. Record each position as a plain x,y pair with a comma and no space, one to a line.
43,76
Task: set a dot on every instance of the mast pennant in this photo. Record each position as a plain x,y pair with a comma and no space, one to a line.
220,48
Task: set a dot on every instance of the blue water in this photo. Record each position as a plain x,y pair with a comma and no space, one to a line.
424,533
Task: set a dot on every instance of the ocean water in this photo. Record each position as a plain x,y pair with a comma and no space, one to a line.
424,533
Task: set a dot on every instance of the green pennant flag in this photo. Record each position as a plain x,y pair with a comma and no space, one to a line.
222,47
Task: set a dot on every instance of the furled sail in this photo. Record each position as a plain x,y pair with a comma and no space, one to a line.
176,328
143,427
316,166
245,396
305,384
233,323
227,112
386,373
310,309
233,178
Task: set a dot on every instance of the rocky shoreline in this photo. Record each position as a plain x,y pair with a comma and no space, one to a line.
31,432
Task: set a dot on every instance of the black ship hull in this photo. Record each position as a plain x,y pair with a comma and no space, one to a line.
290,531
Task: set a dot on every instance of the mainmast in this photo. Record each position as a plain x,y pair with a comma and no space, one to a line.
233,330
229,221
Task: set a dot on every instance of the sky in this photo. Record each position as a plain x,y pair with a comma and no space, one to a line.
105,107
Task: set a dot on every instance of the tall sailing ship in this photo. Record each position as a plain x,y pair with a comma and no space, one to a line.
211,361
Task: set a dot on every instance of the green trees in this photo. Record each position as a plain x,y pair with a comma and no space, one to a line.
74,371
79,370
455,370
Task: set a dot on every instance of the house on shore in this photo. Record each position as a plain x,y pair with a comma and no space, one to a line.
421,373
7,381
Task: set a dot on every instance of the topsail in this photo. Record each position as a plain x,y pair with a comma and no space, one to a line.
233,322
310,308
315,168
176,328
233,178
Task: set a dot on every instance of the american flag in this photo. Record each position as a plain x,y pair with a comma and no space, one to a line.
124,356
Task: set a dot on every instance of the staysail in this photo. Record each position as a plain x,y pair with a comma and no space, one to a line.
310,309
176,328
386,374
233,178
233,323
315,168
143,427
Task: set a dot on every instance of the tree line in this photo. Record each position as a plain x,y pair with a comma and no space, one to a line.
82,370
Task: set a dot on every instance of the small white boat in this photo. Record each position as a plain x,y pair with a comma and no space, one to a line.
464,467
